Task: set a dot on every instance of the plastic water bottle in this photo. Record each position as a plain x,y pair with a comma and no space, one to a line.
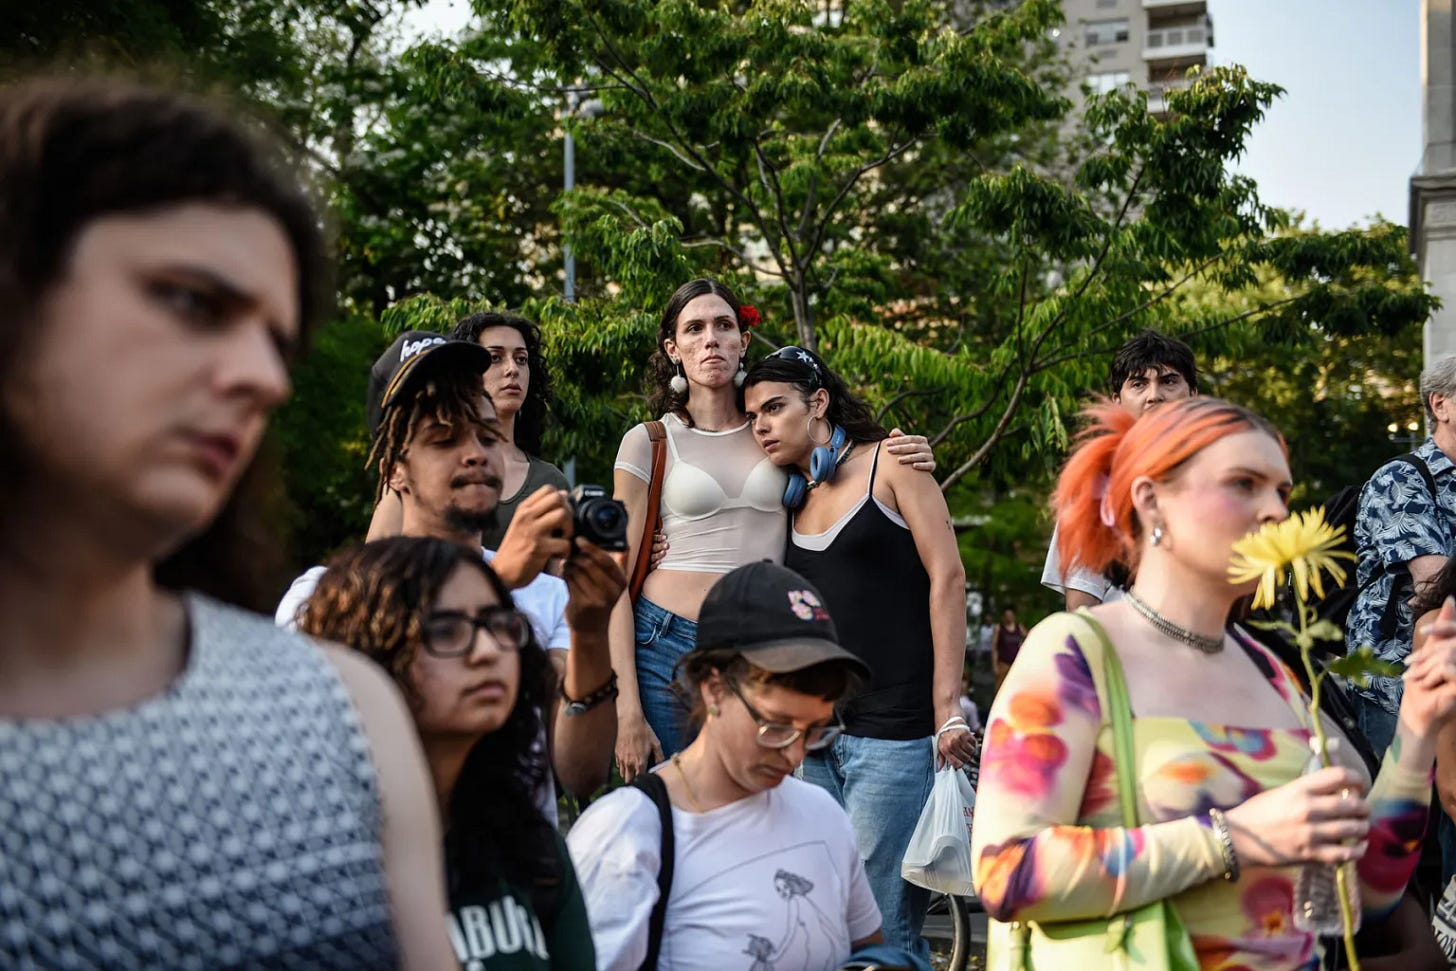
1316,893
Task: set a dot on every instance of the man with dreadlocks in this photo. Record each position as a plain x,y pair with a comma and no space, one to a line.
437,444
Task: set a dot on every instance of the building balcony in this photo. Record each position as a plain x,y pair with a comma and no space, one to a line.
1189,43
1176,8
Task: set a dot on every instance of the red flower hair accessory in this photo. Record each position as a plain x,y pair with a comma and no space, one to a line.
748,315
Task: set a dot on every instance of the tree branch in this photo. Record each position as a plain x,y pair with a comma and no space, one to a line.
696,242
912,393
996,433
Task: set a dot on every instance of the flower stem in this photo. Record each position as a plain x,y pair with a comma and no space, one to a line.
1316,683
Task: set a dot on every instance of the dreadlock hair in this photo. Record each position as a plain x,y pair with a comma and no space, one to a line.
845,409
374,598
451,396
531,420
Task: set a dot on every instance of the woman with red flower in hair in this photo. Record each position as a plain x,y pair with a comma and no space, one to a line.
721,507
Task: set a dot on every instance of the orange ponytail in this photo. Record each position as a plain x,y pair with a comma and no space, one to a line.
1096,523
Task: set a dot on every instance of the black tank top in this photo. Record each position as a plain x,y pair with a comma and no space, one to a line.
878,593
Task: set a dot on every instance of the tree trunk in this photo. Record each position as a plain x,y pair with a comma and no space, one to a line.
803,314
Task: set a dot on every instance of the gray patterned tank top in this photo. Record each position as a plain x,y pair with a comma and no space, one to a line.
231,821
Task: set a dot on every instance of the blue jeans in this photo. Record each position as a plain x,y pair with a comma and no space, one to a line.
662,638
883,785
1377,724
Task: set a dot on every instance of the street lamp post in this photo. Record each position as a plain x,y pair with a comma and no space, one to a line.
585,109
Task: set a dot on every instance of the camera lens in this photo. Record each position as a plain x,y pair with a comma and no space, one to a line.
608,520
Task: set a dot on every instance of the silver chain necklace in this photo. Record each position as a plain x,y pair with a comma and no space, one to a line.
1164,626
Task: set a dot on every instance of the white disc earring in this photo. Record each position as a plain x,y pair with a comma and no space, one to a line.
678,384
741,376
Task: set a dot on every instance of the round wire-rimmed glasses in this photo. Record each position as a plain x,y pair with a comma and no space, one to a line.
775,736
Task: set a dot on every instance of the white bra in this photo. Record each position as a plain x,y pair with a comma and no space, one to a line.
690,493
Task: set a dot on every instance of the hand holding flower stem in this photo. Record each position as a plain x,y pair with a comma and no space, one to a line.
1301,549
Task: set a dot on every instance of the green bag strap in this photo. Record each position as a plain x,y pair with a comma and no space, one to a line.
1119,716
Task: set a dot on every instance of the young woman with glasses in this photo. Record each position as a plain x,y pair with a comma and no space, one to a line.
721,507
438,619
876,538
765,871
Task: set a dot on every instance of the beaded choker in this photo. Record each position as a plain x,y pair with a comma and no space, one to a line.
1195,640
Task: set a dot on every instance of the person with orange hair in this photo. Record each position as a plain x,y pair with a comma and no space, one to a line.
1222,728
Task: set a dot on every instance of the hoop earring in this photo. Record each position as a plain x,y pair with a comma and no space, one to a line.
741,376
678,384
1157,535
809,430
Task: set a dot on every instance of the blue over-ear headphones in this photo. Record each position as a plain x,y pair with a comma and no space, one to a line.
823,463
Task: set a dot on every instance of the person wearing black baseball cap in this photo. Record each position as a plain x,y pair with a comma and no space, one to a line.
437,446
757,862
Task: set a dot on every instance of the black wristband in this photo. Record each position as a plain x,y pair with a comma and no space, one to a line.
580,706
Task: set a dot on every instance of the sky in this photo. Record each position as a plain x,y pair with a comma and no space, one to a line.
1342,142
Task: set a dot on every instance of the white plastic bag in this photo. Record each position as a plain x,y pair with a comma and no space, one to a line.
939,854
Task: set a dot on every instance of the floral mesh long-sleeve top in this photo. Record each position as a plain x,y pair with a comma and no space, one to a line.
1049,843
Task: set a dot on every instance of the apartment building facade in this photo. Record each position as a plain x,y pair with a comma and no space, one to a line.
1150,44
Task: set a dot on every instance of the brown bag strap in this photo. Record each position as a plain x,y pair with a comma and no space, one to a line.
657,435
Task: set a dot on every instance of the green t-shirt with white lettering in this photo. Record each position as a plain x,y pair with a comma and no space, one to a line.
495,928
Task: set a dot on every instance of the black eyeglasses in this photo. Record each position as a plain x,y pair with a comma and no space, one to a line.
797,355
451,633
771,735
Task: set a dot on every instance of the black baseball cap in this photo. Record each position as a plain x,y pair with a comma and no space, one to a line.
774,618
414,356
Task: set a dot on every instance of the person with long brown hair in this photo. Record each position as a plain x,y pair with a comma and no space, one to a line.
721,507
1222,728
875,538
181,783
439,620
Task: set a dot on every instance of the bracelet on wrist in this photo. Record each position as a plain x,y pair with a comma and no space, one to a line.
1225,844
580,706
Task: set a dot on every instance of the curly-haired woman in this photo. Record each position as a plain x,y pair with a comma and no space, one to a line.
438,619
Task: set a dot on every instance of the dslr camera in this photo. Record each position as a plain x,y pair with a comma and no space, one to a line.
598,518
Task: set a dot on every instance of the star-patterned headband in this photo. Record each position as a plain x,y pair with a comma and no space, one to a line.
808,359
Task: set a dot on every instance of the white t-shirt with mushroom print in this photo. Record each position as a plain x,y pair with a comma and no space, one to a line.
773,882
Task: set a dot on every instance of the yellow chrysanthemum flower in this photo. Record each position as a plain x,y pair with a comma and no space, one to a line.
1304,545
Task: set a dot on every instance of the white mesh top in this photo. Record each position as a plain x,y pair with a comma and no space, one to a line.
231,821
722,499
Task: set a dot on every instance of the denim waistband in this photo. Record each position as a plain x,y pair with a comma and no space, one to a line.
664,621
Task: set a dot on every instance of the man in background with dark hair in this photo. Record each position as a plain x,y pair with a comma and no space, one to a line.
1146,371
437,445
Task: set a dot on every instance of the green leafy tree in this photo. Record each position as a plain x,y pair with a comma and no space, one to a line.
795,118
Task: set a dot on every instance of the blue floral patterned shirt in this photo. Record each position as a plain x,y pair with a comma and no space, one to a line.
1398,521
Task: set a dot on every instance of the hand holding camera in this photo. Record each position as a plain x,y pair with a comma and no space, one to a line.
540,530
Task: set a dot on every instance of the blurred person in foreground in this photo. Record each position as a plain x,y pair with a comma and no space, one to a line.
181,783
